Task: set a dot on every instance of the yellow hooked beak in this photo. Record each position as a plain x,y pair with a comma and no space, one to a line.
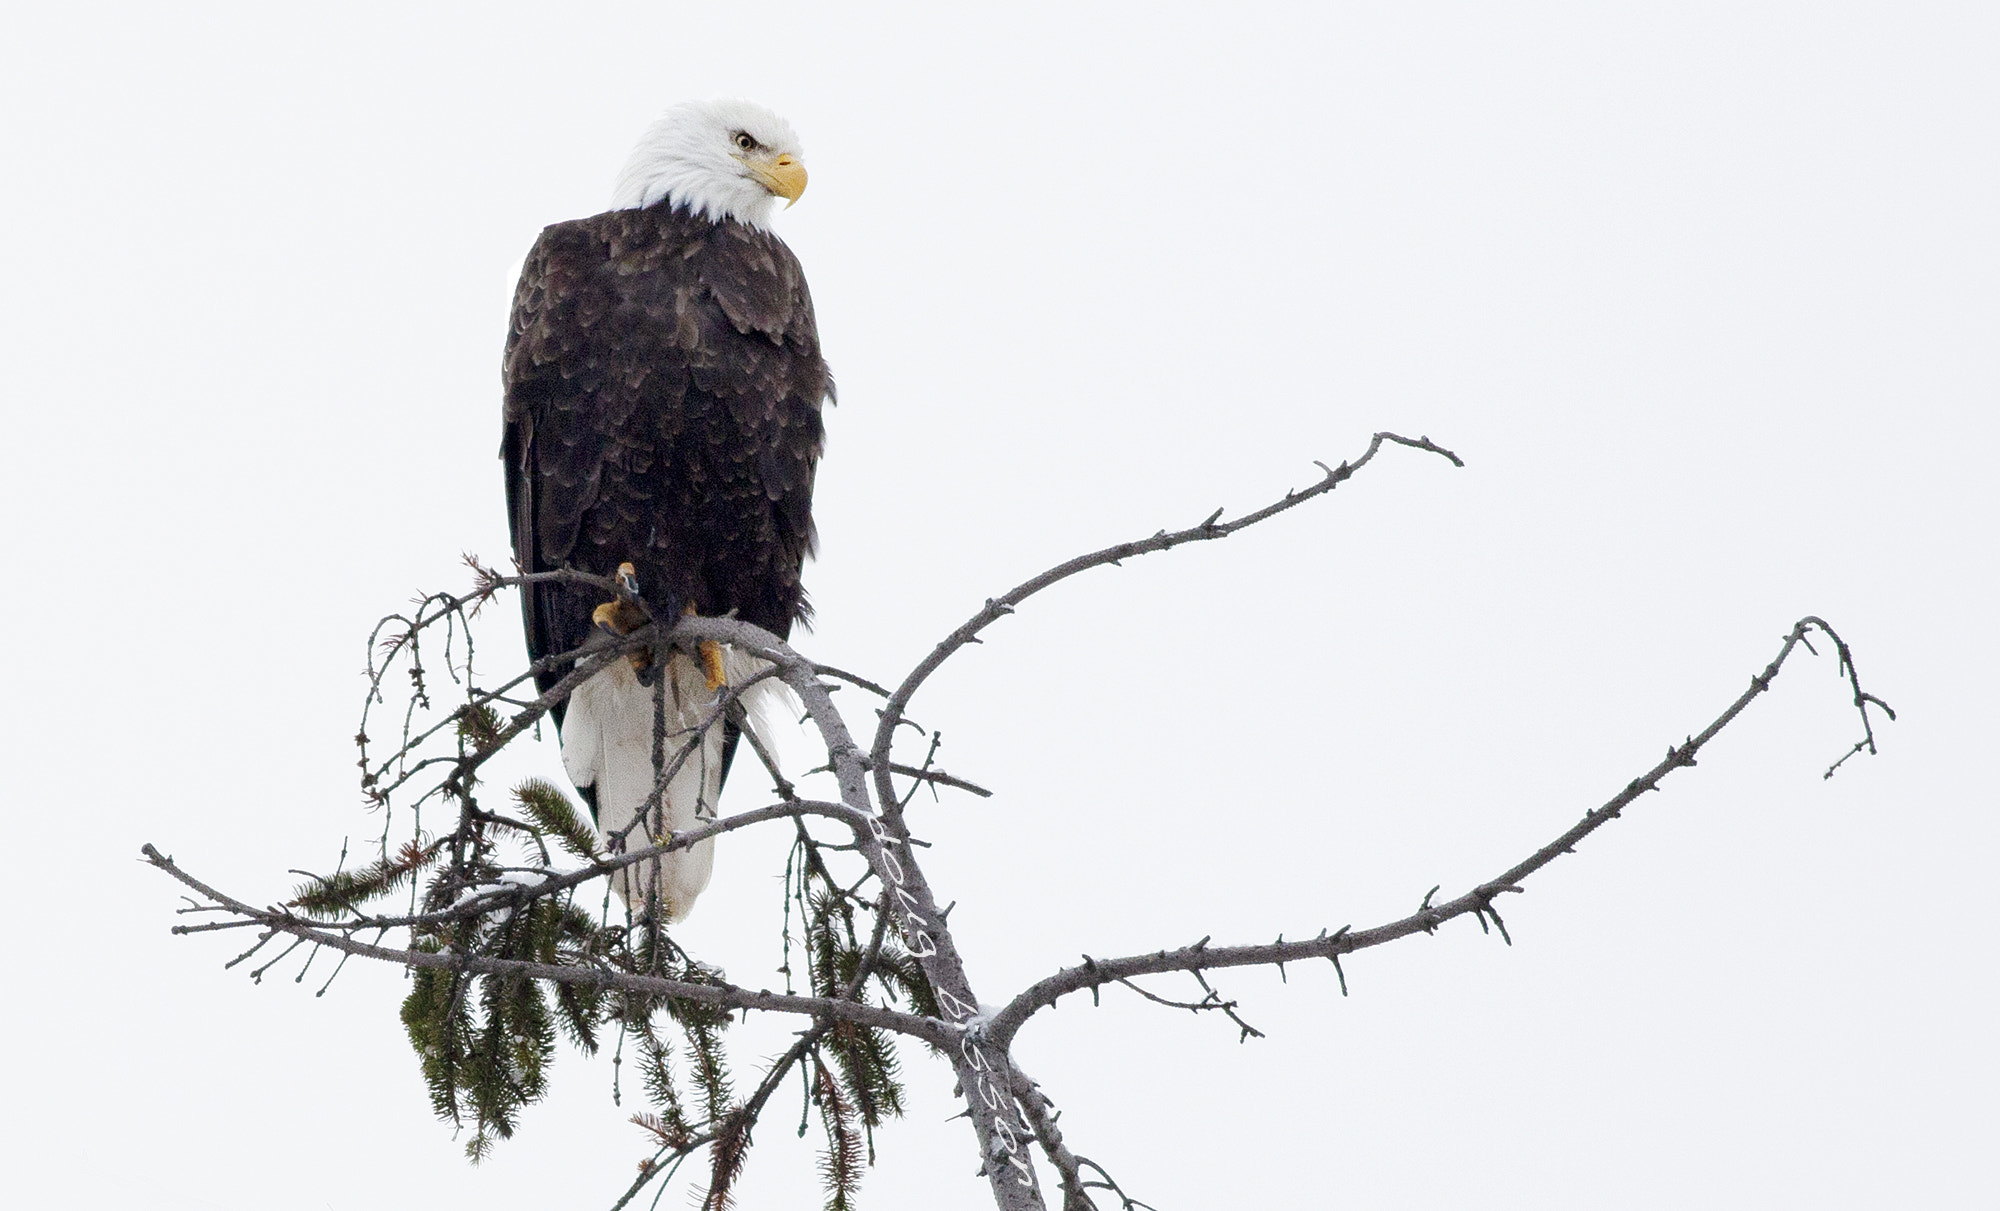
784,176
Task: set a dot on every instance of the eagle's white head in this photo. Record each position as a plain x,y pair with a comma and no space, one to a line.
718,159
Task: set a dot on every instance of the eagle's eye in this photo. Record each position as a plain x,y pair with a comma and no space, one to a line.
744,141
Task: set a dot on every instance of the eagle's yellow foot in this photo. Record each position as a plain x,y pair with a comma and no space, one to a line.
711,660
622,617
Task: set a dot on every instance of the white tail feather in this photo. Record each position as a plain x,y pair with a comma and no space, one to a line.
607,745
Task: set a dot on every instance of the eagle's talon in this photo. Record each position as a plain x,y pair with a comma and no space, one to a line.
711,657
621,617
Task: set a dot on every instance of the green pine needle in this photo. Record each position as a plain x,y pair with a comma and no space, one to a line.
343,892
556,817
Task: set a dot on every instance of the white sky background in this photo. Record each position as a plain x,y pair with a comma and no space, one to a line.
1705,296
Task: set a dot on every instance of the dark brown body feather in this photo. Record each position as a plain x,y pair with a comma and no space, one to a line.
663,391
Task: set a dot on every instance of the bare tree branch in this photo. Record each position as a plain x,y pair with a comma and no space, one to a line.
999,607
1092,973
497,885
555,882
725,996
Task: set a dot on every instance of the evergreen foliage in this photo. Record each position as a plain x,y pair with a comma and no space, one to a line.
840,1164
484,1041
552,813
329,897
491,888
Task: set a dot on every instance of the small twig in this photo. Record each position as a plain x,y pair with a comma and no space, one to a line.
938,777
1211,1000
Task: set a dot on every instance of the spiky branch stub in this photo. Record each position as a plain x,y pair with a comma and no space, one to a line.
509,949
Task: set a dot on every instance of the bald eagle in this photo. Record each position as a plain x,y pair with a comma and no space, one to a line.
662,416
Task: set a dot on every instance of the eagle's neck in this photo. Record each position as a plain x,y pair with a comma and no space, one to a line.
692,180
